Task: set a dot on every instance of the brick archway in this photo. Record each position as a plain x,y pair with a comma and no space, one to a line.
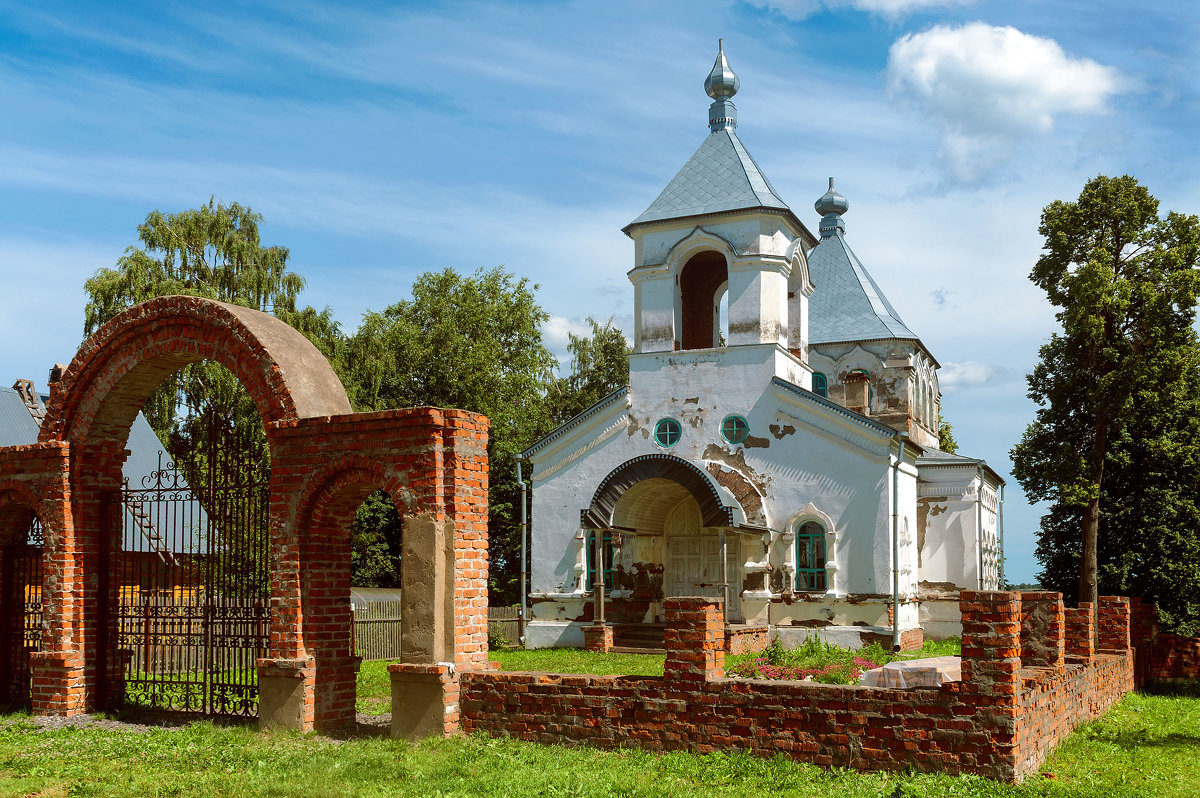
116,369
435,459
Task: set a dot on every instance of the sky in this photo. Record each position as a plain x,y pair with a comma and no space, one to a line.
380,141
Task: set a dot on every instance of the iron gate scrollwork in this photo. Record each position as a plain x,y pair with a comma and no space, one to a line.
21,578
192,602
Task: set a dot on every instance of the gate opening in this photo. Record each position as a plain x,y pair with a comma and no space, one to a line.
20,614
190,608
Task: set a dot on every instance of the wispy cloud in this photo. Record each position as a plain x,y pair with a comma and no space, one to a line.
891,9
971,374
988,88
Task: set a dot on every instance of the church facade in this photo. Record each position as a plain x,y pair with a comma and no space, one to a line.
777,446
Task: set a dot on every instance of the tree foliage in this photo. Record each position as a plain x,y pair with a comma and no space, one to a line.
946,440
213,251
599,366
1113,387
471,342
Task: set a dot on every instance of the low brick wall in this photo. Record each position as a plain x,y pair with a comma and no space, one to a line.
999,722
745,639
1160,655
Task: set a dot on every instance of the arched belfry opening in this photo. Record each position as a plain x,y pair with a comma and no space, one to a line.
703,281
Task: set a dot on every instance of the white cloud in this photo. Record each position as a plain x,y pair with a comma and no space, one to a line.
802,9
954,376
987,88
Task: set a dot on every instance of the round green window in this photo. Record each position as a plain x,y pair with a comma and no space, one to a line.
667,432
735,429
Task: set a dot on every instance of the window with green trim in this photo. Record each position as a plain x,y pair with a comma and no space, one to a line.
591,561
870,390
735,429
810,557
820,385
667,432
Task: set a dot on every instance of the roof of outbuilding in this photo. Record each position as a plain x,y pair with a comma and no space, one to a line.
720,176
18,428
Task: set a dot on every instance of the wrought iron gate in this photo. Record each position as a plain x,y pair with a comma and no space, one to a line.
192,601
21,577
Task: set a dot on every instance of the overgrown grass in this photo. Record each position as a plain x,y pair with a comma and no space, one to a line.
1147,746
825,662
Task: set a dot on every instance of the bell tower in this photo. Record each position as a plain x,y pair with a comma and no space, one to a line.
720,231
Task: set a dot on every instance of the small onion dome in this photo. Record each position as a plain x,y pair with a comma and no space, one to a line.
832,202
721,83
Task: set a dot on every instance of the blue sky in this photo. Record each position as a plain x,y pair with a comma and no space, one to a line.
384,140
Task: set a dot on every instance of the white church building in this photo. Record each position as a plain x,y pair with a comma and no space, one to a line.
777,446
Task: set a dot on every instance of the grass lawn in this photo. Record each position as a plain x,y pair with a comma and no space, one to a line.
1147,746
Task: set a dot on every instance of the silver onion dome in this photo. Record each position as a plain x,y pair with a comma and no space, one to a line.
721,84
831,206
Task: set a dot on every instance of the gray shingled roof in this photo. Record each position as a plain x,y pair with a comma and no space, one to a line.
847,304
17,428
720,176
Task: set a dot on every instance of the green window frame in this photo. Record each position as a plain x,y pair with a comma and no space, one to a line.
870,390
667,432
820,385
591,561
810,557
735,428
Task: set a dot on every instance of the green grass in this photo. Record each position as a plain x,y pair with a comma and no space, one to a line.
374,696
1147,746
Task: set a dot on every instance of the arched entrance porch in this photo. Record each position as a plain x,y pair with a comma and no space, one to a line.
659,527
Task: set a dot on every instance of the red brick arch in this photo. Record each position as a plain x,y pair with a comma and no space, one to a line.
116,368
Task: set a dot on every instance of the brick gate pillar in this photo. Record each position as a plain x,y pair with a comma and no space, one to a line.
695,639
1042,628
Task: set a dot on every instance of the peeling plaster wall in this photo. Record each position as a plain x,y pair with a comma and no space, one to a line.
799,455
948,517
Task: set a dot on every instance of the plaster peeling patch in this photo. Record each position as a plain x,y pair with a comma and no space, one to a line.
695,400
926,509
731,471
580,452
781,431
635,427
752,442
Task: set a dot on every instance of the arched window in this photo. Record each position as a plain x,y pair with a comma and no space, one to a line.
870,390
820,385
810,557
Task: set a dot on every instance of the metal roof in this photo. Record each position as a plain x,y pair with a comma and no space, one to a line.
720,176
17,428
848,304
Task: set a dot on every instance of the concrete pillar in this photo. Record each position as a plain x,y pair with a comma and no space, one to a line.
424,700
1042,630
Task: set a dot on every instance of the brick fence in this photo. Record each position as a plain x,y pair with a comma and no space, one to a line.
1000,721
1161,655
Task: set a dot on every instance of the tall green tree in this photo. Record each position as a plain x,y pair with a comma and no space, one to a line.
599,366
213,251
1125,282
471,342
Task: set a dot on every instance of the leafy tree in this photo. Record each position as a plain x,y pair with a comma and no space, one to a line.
473,343
599,366
213,251
946,440
375,543
1125,283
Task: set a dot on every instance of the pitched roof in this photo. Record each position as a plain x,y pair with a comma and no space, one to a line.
720,176
847,304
